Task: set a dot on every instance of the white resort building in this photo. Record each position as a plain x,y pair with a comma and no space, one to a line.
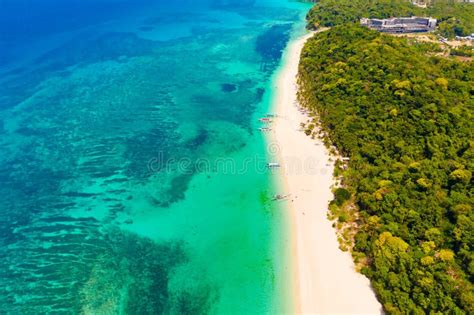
412,24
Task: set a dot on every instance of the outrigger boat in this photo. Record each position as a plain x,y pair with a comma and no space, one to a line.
280,197
265,129
271,115
265,120
273,165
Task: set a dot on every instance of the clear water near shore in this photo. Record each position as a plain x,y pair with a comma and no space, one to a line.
114,118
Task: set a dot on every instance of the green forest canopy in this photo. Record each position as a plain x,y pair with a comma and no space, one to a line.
405,120
454,18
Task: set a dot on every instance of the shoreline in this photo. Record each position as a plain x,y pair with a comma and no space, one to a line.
324,279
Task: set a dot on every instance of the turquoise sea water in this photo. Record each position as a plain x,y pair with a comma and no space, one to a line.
131,165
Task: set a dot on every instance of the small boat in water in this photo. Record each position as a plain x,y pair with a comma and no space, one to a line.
265,120
265,129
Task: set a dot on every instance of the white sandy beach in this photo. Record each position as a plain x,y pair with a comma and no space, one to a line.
325,279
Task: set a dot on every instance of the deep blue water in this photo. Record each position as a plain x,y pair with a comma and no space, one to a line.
92,93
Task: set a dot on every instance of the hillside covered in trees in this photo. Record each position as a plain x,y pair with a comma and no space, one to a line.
405,120
454,18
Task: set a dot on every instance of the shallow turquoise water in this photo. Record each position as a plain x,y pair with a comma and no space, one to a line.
131,164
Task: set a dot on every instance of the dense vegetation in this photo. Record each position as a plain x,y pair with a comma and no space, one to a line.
404,118
454,18
463,51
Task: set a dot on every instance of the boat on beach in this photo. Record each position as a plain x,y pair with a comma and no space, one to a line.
273,165
280,197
